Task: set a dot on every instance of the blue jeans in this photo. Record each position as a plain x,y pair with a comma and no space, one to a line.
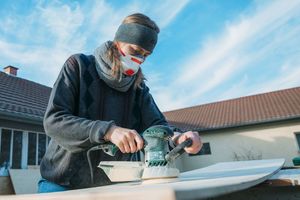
47,186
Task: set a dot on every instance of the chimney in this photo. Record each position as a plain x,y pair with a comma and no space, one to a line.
11,70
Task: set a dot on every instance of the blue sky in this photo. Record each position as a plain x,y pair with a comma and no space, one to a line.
208,50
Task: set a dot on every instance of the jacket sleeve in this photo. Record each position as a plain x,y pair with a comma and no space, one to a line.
60,121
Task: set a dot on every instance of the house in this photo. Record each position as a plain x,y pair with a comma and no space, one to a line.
261,126
22,106
252,127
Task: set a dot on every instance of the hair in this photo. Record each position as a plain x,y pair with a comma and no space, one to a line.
113,52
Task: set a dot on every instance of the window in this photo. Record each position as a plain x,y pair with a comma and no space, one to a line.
297,134
18,148
32,153
5,147
205,150
37,143
41,147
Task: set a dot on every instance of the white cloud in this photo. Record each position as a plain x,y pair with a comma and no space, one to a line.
238,89
166,11
62,21
54,30
289,78
248,43
43,64
236,36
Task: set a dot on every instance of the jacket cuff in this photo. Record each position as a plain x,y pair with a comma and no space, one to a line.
99,129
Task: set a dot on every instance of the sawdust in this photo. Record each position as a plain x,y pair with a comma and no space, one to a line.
159,172
160,180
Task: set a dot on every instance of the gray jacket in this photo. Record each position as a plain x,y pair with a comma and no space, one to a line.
80,111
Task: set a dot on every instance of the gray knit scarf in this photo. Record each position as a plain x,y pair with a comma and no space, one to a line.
103,66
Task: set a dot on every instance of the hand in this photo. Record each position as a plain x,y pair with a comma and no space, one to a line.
127,140
197,144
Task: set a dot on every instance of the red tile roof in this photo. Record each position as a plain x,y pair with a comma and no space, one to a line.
260,108
23,97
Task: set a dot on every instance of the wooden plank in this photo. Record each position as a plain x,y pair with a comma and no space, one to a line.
6,186
263,193
212,181
286,177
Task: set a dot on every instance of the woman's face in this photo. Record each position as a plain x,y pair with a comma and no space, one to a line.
133,49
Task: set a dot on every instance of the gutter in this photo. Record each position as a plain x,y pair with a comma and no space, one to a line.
21,117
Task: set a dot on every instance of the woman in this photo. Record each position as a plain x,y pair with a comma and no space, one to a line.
101,98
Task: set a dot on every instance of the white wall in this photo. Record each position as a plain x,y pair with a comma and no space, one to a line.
257,142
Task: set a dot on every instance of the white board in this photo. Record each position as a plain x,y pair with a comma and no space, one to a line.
25,180
224,178
212,181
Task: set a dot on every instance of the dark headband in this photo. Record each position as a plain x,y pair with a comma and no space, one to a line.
137,34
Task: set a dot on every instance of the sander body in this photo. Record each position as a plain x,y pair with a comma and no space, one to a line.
159,160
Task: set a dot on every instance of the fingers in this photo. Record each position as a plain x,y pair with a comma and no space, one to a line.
127,146
132,146
121,147
135,141
197,143
127,140
125,143
182,138
139,141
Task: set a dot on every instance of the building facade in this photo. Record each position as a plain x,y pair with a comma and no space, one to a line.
262,126
22,106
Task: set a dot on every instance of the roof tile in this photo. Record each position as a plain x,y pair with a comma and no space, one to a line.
271,106
22,96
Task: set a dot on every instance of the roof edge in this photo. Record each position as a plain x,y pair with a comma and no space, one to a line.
255,123
21,117
17,77
248,124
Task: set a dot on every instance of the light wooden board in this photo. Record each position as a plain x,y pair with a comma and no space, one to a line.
212,181
6,186
286,177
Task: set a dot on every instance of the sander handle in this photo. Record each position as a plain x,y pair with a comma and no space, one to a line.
178,150
109,148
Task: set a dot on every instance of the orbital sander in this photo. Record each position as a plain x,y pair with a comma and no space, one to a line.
159,160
